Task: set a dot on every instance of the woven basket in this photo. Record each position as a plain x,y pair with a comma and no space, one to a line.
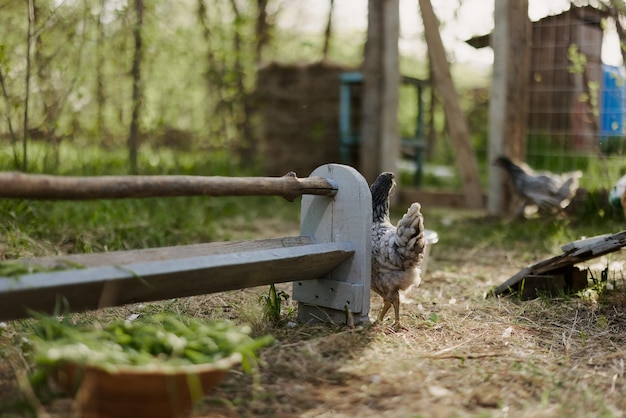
141,391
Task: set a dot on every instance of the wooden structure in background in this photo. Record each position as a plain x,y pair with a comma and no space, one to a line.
553,90
329,264
298,107
455,118
350,122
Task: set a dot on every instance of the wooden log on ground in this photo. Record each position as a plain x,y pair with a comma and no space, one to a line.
38,186
554,267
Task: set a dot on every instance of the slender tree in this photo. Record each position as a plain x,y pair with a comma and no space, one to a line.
213,73
133,138
29,43
5,95
263,26
328,31
247,146
100,61
54,87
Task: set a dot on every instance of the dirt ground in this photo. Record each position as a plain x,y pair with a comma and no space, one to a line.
463,355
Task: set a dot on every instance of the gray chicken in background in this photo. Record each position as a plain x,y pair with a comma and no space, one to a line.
397,251
544,190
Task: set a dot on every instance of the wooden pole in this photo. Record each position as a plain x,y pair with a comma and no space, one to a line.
457,123
508,105
37,186
380,144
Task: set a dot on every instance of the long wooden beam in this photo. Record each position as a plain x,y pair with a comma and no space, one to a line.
39,186
247,265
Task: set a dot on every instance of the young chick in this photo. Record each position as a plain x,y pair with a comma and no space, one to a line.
397,251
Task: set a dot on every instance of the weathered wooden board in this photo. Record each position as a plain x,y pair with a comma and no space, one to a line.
573,253
162,253
108,285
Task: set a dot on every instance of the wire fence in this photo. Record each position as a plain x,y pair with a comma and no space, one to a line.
576,107
576,103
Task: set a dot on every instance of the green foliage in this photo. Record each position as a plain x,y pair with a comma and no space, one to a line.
613,145
193,81
272,304
166,340
577,59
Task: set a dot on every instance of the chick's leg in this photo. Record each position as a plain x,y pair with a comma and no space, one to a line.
395,301
384,310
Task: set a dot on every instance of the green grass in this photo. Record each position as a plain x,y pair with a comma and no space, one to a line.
455,338
33,227
89,160
38,227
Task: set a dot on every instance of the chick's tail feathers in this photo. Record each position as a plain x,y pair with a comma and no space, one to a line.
410,241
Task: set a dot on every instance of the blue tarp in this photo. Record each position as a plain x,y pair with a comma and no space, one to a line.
612,101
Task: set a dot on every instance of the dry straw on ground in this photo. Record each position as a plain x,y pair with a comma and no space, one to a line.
463,355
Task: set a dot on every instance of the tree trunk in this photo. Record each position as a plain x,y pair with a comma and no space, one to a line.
211,75
14,139
99,76
508,105
262,30
379,146
247,148
328,31
133,138
457,123
29,41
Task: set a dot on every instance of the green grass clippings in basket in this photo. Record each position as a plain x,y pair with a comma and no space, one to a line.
164,362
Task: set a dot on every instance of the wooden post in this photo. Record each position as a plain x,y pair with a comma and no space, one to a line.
508,105
380,143
344,295
457,123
